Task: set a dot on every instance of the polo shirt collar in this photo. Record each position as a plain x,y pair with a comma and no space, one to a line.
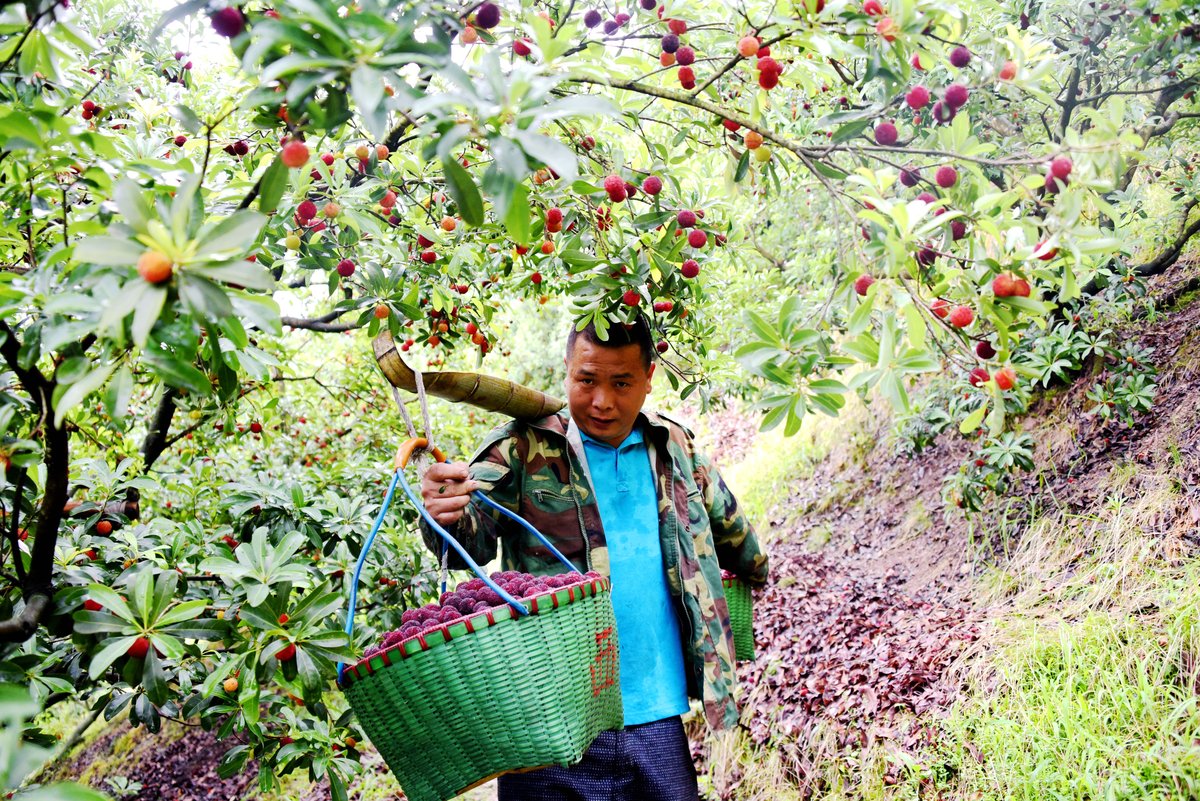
634,438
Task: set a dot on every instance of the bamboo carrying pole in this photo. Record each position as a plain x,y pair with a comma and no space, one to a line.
485,391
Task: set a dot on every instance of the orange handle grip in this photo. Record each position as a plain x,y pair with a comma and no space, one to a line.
407,448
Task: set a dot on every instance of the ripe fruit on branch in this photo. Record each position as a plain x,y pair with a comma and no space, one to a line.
1044,252
487,16
345,268
917,98
886,134
669,43
748,46
685,56
614,185
521,47
677,26
687,78
873,8
662,346
652,185
306,211
1004,285
960,56
863,283
1006,378
956,95
697,238
388,201
940,307
449,224
139,648
382,311
753,139
423,241
180,140
288,651
228,22
104,528
943,112
686,218
230,684
631,297
731,126
663,306
961,316
978,377
428,256
1008,71
690,268
535,279
547,247
927,197
984,350
1060,168
294,154
469,35
910,177
92,606
958,229
946,176
154,267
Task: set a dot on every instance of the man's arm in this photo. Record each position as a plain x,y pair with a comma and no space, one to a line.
445,491
738,549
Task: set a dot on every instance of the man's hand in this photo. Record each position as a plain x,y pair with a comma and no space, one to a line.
446,490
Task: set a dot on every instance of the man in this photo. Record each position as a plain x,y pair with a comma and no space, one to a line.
622,491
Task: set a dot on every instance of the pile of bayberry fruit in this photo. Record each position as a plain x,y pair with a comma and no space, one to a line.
472,597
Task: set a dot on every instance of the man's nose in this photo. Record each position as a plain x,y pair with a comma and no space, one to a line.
602,398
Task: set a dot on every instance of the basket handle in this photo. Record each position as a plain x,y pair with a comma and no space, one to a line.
403,453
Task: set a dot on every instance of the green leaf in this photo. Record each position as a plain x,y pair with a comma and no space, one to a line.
248,274
147,312
849,131
131,201
464,192
743,167
274,183
76,392
972,421
517,219
109,251
176,372
110,653
232,236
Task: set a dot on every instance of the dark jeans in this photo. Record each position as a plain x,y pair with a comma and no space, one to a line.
650,762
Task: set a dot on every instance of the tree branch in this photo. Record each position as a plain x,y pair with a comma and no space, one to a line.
21,627
156,437
323,324
1164,260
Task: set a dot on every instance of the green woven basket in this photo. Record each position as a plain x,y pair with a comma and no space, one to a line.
741,616
493,692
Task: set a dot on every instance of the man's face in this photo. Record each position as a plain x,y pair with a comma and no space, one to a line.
606,388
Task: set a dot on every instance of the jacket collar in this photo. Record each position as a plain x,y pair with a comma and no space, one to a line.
560,423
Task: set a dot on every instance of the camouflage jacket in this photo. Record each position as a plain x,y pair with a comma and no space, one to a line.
537,470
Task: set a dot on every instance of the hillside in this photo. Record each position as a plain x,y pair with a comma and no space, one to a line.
1049,647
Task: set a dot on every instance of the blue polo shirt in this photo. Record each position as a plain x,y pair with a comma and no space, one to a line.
653,684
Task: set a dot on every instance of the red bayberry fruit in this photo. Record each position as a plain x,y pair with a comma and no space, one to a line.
690,268
652,185
614,185
1021,288
521,47
1044,252
345,268
863,283
592,18
978,377
662,346
946,176
697,238
424,241
958,229
1060,168
669,43
940,307
536,278
687,78
886,134
917,98
768,80
294,154
1003,285
104,528
428,256
888,29
677,26
872,8
731,126
961,316
1008,71
180,140
943,112
960,56
686,218
910,177
139,648
927,197
685,56
747,46
984,350
1006,378
92,606
956,95
286,653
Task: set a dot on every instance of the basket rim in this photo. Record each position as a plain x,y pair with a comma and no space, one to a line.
468,624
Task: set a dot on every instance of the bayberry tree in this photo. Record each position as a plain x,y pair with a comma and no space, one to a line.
935,184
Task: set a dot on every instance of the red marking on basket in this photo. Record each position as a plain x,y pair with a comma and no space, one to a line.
604,668
387,660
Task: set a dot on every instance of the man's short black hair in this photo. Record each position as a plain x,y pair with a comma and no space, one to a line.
619,335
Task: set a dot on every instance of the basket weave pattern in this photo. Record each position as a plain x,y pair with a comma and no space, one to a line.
741,616
493,692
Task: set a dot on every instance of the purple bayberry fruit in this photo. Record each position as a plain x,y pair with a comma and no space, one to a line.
228,22
956,95
487,16
592,18
886,134
670,43
960,56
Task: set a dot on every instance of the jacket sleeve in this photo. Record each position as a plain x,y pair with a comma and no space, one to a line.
496,468
738,548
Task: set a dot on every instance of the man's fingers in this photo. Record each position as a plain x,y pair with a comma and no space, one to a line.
440,471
